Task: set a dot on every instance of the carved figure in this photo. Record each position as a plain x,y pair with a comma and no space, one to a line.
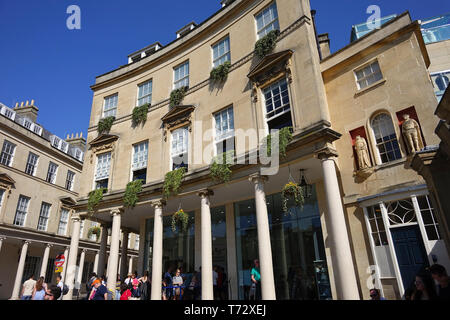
411,131
362,152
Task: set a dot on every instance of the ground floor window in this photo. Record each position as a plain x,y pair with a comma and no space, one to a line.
32,268
298,253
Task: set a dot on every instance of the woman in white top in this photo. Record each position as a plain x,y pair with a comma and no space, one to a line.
177,280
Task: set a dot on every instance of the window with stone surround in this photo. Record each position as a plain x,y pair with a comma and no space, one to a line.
6,157
387,145
221,52
139,165
63,222
145,93
110,106
267,20
181,76
224,123
368,75
180,144
278,107
102,170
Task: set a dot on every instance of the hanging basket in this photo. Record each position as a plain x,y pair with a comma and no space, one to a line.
180,219
292,191
94,230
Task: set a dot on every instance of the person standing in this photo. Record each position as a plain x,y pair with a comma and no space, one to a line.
60,285
145,286
256,279
375,294
27,288
425,288
100,293
52,293
177,282
39,290
439,274
89,284
168,283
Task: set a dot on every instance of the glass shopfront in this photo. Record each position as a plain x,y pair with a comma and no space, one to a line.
178,247
298,253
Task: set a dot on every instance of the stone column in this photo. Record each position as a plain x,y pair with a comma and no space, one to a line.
96,262
80,271
264,245
45,260
102,253
124,254
19,274
130,265
343,268
73,255
66,257
157,250
114,251
207,272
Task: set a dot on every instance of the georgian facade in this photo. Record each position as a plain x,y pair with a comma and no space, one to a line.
321,250
40,177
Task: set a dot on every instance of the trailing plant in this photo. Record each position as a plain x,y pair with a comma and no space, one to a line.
177,96
180,219
105,124
140,114
94,230
266,44
285,136
130,197
221,167
220,73
95,197
172,182
292,191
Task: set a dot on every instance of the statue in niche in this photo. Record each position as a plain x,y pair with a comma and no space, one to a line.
362,152
411,131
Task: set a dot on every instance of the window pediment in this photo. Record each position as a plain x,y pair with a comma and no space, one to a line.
102,143
178,116
271,66
6,181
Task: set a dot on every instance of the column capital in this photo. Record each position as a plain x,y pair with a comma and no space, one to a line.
75,217
116,211
84,250
326,153
49,245
158,203
2,238
205,193
258,177
26,242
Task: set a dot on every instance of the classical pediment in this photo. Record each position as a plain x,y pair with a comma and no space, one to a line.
68,201
6,180
103,139
177,117
270,66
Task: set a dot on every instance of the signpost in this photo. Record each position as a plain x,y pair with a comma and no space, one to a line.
59,262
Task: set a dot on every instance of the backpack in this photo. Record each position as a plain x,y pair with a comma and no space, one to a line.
65,289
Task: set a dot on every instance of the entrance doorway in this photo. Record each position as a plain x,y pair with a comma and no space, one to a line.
410,251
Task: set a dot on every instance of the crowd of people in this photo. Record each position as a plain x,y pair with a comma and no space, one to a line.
430,284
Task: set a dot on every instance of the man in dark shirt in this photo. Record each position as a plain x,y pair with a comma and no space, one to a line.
439,274
101,293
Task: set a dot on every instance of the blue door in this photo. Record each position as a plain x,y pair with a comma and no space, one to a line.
410,251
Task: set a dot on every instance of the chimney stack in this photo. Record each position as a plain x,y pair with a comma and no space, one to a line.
77,141
28,110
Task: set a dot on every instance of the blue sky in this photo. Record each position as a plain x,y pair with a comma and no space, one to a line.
41,59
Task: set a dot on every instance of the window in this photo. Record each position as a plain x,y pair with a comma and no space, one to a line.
221,52
145,93
400,212
386,138
136,242
377,226
102,171
21,212
43,216
278,107
81,228
2,192
180,148
51,174
267,20
31,267
69,180
368,75
7,153
110,106
429,218
181,76
31,164
139,165
440,83
224,122
63,221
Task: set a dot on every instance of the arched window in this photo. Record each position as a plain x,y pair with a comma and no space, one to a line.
386,138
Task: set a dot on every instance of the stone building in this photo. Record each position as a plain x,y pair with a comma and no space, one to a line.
40,178
361,101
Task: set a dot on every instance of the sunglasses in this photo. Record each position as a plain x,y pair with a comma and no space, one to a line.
48,294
